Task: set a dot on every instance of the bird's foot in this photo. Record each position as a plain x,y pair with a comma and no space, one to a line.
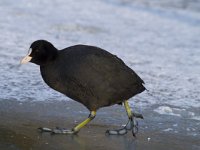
57,130
121,131
131,125
137,115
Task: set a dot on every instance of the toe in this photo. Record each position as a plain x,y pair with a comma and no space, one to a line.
44,129
137,115
62,131
117,132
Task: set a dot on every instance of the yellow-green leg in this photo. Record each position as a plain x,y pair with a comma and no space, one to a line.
75,130
131,125
82,124
128,109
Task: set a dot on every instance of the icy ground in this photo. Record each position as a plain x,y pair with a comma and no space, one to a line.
159,40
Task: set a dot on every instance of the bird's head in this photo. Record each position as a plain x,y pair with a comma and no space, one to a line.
40,53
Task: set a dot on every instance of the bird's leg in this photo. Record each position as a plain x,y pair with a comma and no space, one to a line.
75,130
132,124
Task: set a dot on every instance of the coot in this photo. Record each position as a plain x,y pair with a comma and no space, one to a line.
89,75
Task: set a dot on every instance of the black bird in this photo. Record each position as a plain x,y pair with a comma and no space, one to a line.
89,75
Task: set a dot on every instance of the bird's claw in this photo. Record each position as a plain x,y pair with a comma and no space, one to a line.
131,125
137,115
44,129
117,132
57,130
62,131
134,127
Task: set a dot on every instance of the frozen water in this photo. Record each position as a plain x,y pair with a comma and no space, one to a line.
168,129
158,39
166,110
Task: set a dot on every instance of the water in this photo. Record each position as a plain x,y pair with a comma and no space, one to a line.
159,40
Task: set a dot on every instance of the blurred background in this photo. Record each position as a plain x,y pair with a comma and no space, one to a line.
160,40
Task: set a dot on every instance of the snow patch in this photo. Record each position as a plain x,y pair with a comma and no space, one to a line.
168,129
196,118
166,110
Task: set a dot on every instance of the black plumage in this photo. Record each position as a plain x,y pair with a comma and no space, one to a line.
87,74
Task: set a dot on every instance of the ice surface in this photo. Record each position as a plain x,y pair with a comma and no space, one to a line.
166,110
168,129
159,40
